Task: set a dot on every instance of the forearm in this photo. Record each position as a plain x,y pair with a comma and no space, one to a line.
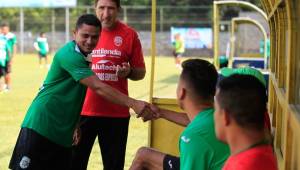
175,117
107,91
113,95
137,74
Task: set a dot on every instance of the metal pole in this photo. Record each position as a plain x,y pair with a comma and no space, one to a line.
153,48
259,26
153,52
67,21
125,14
216,22
232,41
52,30
245,3
161,19
216,34
22,31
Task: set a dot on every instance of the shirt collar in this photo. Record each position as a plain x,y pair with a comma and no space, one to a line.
77,49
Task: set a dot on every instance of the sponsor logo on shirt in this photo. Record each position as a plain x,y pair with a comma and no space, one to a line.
24,163
107,76
185,139
105,53
118,41
105,62
104,67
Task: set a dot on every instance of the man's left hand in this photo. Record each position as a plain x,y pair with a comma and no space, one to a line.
124,70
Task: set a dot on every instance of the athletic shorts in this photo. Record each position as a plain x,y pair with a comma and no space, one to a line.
8,67
42,55
35,152
2,71
177,55
171,162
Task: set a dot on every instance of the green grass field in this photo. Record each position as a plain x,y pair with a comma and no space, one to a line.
27,77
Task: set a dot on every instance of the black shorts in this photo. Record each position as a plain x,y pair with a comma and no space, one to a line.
35,152
171,162
8,67
2,71
42,55
177,55
112,137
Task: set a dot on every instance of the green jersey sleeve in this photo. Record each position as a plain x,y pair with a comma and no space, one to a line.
197,154
76,66
14,40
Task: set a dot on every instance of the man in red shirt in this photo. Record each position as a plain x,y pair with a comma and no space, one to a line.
240,104
117,57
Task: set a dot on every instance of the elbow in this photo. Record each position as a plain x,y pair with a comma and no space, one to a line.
137,78
138,75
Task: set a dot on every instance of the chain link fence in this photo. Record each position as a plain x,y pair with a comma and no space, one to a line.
58,24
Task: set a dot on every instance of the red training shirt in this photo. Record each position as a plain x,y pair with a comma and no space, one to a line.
114,47
257,158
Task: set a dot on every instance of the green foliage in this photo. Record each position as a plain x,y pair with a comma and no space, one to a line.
135,2
9,15
39,19
85,2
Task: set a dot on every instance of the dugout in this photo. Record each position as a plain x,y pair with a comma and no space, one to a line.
235,61
164,135
258,62
284,81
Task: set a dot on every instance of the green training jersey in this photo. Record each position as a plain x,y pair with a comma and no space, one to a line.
11,41
262,47
55,110
42,45
179,46
3,50
199,147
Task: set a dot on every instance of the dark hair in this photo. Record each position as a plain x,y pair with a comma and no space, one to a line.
244,98
41,33
116,1
201,77
88,19
4,24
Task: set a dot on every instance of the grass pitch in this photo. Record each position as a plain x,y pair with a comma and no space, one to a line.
27,77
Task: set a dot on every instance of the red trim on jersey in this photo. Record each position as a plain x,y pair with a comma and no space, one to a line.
258,158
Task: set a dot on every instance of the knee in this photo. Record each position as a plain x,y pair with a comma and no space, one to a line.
140,159
142,153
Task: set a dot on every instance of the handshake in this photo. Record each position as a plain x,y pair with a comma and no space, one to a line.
146,111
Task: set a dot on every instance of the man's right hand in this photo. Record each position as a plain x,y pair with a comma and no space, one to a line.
151,112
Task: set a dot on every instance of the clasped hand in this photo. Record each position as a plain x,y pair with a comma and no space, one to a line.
123,71
150,112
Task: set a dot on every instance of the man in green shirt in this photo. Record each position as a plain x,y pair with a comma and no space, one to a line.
42,47
3,53
45,138
198,145
11,42
179,48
